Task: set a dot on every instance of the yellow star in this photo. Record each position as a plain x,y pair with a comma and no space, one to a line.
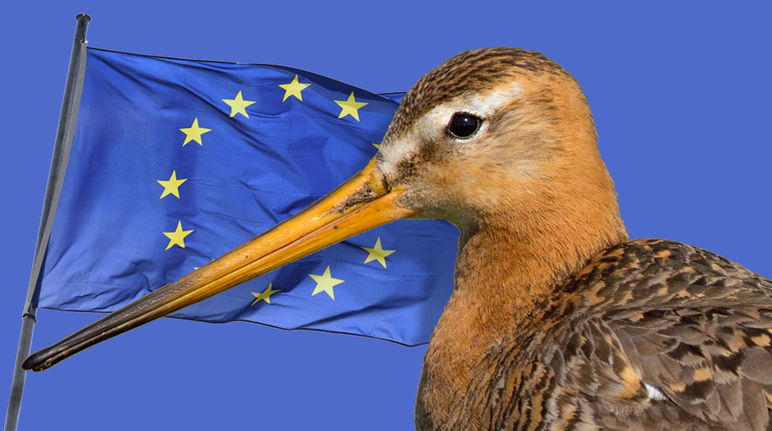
325,283
238,105
377,146
264,295
377,253
293,89
177,237
171,186
350,107
193,133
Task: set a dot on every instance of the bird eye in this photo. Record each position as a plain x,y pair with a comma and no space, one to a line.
463,125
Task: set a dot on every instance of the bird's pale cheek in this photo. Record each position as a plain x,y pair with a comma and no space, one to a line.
421,195
396,157
412,198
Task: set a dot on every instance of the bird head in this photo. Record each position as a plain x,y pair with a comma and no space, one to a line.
493,136
498,136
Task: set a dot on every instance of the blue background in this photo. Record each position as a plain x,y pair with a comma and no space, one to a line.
681,97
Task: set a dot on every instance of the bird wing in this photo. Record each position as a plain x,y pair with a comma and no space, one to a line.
713,362
690,326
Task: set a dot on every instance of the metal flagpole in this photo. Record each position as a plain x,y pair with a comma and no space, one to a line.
59,159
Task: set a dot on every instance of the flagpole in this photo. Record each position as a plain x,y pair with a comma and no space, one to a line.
59,159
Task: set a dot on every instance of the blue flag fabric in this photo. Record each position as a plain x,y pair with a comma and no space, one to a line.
175,162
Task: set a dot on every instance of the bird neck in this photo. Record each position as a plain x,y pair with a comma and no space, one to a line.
507,266
510,263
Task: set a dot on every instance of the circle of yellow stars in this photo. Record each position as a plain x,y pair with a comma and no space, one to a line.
238,105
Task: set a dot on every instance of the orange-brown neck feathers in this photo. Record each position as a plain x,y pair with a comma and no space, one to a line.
551,204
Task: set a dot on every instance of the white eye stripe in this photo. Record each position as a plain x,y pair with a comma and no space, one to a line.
482,106
486,105
433,125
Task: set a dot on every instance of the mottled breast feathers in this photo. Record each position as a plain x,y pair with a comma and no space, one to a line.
649,334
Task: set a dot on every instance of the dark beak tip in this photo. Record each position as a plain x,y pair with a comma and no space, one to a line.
28,363
35,362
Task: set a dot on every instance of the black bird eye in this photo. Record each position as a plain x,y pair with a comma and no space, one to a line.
463,125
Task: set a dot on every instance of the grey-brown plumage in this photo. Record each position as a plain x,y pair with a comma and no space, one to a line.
693,326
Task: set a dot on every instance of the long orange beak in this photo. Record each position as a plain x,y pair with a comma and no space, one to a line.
361,203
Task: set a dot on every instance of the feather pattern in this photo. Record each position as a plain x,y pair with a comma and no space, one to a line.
683,320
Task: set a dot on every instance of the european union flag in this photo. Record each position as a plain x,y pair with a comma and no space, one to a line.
174,162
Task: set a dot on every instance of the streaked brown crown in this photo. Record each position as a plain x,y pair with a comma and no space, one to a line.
471,71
